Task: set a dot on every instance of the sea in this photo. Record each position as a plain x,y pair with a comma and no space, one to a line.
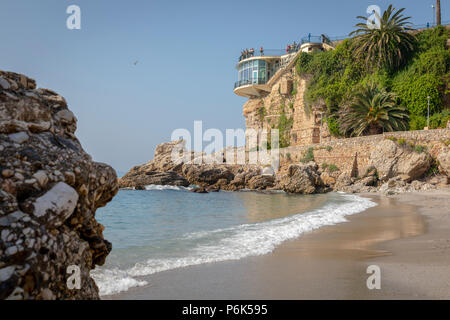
165,227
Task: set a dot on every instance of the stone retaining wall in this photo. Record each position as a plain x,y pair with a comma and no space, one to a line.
343,152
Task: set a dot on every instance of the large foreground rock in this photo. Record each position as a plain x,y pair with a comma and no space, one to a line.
392,160
303,179
49,192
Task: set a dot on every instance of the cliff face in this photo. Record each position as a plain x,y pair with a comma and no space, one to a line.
49,192
285,109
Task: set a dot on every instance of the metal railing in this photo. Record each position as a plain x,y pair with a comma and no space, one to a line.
246,82
429,25
265,52
319,39
312,39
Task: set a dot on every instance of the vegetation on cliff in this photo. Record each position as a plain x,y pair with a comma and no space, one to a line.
387,46
373,111
336,77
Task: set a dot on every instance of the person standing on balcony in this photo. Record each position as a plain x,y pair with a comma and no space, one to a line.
261,50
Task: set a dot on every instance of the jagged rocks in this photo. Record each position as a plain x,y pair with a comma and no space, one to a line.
303,179
261,182
199,190
443,160
392,160
49,192
398,185
164,169
327,179
413,165
205,175
170,178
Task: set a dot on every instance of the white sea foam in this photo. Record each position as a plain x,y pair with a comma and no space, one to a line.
154,187
114,281
234,243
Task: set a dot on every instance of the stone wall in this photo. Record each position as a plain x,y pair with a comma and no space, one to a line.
351,153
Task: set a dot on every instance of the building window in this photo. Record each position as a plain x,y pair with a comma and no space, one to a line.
252,72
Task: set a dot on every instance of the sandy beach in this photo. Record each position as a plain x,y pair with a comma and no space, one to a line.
406,235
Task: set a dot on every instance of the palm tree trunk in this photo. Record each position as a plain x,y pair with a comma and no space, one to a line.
374,129
438,12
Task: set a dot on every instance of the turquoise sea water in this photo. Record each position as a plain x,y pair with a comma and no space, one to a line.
164,228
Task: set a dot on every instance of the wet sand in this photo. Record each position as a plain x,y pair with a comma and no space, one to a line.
407,236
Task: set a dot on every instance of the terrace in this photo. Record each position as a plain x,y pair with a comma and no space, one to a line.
257,67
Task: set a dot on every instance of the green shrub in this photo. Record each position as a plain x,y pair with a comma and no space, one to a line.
433,170
324,165
308,156
284,127
288,156
414,90
434,37
418,148
391,138
417,122
333,126
333,77
401,141
294,89
262,113
434,61
333,168
439,120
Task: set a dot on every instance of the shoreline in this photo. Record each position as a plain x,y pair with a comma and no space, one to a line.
404,235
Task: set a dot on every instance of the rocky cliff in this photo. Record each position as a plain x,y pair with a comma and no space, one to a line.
285,109
49,191
367,164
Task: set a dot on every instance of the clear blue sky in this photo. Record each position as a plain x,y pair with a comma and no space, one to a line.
187,51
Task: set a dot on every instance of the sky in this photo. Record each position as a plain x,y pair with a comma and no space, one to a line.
186,52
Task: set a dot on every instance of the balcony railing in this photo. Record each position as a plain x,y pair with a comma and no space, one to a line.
265,52
251,81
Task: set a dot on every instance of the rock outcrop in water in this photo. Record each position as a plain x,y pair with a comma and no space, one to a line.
162,170
159,171
392,168
49,192
302,179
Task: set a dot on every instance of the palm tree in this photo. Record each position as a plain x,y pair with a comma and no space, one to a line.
385,45
373,111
